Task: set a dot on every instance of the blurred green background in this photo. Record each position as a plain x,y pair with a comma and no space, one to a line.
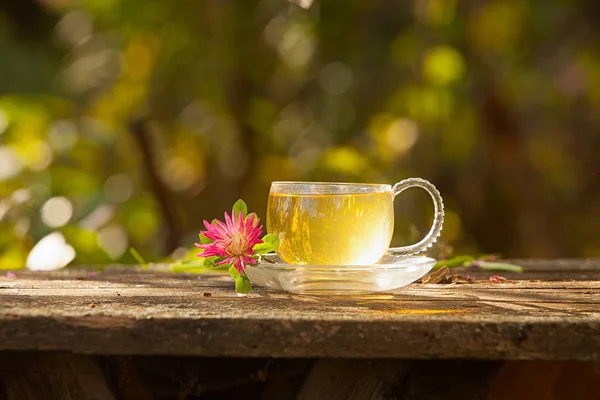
125,123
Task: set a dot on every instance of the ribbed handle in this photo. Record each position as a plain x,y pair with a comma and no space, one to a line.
438,216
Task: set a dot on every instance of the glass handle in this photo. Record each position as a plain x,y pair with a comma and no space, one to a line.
438,216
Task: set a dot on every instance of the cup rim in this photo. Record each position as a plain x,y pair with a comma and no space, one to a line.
307,187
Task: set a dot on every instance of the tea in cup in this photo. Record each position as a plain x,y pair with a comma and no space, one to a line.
320,223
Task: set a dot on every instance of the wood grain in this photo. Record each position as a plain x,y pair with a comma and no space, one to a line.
60,376
27,376
123,311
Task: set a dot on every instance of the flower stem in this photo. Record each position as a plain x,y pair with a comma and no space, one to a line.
138,258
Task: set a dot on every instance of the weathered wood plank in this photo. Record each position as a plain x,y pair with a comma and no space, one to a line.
303,338
116,312
28,376
340,379
525,380
50,375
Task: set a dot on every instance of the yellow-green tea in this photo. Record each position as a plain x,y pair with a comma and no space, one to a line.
331,229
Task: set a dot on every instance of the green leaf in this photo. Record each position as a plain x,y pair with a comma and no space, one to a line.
458,261
240,206
187,268
270,243
480,262
196,260
243,286
194,268
255,218
496,266
192,256
211,262
234,272
204,239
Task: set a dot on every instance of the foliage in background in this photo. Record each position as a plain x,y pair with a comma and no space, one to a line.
126,123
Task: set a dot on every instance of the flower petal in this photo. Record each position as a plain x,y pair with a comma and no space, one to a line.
224,261
229,222
238,265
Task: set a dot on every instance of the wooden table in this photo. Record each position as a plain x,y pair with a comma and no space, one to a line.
125,333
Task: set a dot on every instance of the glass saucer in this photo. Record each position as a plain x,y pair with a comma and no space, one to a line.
391,272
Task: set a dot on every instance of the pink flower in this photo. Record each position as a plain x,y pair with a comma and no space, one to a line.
233,240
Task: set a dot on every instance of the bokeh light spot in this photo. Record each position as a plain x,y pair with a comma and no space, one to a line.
9,163
443,65
118,188
336,78
274,30
21,196
137,60
498,25
62,135
197,117
400,136
36,155
56,212
435,13
52,252
74,27
296,46
113,239
303,3
98,218
345,160
180,174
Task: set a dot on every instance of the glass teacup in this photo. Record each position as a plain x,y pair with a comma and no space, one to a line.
321,223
